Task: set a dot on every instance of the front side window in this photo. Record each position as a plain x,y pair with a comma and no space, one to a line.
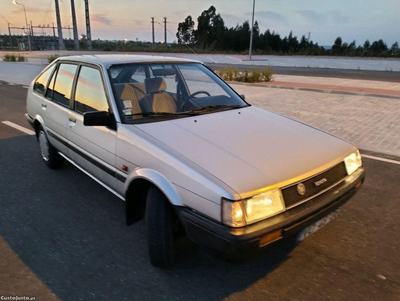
41,82
153,92
90,94
63,84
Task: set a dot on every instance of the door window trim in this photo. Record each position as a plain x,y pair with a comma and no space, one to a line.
98,68
51,78
55,65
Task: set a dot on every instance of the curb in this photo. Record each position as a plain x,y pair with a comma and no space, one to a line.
317,90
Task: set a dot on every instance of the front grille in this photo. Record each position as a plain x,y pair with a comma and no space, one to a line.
333,175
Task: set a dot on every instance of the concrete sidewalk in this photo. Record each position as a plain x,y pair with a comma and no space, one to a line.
347,86
371,122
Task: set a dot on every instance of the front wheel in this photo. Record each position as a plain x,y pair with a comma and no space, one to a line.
48,152
159,228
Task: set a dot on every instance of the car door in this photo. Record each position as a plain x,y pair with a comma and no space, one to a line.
55,106
92,147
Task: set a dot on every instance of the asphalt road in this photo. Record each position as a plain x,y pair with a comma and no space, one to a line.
387,76
71,233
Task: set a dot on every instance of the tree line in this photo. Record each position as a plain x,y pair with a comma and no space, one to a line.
211,34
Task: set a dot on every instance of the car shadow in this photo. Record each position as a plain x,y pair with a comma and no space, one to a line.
71,232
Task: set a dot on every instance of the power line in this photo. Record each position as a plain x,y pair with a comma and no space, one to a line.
174,36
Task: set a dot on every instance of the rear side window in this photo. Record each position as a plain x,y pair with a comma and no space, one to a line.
41,83
50,88
90,94
63,84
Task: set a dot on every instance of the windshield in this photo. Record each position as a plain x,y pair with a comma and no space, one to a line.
151,92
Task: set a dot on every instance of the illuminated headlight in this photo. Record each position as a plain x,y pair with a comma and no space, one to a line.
259,207
352,162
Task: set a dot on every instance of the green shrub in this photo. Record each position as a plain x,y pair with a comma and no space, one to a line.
10,58
52,57
21,58
267,75
246,76
14,58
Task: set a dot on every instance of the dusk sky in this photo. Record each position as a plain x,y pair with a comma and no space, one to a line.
119,19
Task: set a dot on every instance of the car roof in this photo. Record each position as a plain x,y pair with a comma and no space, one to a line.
114,59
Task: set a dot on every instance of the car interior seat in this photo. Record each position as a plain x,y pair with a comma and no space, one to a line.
156,98
133,92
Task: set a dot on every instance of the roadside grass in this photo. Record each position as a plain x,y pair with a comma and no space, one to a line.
246,76
14,58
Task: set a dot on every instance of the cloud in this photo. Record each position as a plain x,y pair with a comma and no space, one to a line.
18,10
269,16
332,16
100,18
231,20
138,22
337,16
312,16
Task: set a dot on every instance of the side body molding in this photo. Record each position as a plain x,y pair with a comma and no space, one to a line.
158,180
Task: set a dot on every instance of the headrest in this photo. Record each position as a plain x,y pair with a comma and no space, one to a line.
155,85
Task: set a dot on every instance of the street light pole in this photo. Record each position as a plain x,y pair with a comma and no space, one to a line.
251,33
26,22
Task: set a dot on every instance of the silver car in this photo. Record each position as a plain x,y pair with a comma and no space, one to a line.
188,154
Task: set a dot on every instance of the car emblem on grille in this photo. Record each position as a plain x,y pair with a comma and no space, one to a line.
301,189
320,182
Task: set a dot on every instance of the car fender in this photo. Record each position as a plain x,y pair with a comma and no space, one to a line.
39,118
158,180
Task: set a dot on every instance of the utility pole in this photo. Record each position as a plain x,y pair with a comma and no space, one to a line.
309,36
54,35
76,38
88,34
33,36
27,26
152,28
61,45
165,30
251,33
9,33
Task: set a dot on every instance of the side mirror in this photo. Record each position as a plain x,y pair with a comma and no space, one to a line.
242,96
101,118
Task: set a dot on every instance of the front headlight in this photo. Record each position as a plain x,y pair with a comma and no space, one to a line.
353,162
259,207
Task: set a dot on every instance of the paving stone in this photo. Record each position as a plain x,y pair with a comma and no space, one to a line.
372,123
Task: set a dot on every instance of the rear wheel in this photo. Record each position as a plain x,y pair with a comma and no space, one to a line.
48,152
160,228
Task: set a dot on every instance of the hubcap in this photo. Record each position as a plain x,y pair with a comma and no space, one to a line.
44,146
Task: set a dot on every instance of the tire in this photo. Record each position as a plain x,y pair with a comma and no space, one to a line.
49,153
159,228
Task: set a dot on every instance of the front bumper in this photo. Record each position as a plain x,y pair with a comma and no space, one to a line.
236,241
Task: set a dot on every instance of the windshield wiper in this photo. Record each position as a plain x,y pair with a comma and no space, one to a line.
213,107
146,114
187,113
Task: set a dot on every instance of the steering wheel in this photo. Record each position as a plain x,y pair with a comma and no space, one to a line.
199,92
188,104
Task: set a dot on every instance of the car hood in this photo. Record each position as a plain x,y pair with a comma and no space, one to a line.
251,149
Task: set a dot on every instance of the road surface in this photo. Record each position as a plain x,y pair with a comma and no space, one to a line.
70,234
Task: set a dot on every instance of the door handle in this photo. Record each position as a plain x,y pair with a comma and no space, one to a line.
44,106
72,122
